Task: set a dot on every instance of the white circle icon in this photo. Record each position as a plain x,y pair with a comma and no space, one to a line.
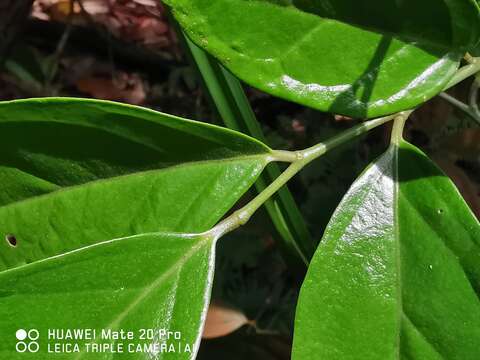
33,334
33,347
21,334
21,347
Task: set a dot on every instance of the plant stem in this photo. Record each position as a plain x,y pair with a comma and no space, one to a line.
240,217
464,72
398,126
469,58
455,102
321,148
473,68
472,109
473,99
302,158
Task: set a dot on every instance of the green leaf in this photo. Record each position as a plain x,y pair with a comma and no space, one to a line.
60,142
93,191
359,58
396,275
152,281
187,198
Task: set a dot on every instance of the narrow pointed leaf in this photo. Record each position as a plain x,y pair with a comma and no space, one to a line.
396,275
359,58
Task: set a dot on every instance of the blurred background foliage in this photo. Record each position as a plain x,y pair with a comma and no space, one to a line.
125,50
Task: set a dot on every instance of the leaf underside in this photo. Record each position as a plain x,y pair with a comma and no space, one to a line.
358,58
396,275
102,200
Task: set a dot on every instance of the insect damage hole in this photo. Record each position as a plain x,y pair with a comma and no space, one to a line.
11,240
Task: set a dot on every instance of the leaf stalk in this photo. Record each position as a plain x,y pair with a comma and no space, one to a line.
398,126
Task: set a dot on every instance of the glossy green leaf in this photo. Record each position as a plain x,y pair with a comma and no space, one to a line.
152,281
397,274
360,58
92,191
48,144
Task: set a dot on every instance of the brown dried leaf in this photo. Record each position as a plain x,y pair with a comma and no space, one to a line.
96,7
146,2
140,21
58,10
125,87
222,320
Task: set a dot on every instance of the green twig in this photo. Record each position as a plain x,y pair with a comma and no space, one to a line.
303,157
469,58
464,72
473,68
461,106
471,109
473,98
455,102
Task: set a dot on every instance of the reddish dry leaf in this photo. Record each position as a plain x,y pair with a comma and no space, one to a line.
96,7
141,21
59,10
146,2
222,320
137,23
126,88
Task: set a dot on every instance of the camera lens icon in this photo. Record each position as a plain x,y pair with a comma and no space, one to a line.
26,340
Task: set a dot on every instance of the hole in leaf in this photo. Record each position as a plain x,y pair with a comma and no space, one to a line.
440,211
11,239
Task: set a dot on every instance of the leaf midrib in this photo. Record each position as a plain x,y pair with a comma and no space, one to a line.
398,255
401,313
